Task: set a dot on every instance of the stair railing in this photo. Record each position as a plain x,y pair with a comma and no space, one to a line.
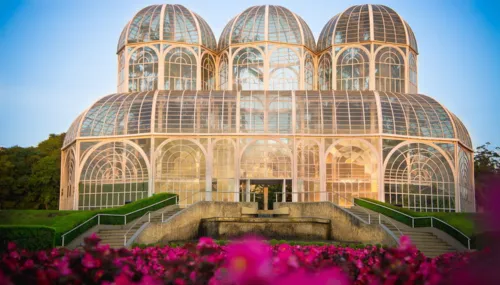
98,218
434,223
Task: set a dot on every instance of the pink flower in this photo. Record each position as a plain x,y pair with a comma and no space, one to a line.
11,246
90,262
249,261
405,243
206,242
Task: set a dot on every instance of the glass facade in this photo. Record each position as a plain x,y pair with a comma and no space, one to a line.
335,121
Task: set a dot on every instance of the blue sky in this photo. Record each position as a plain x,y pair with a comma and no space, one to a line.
57,57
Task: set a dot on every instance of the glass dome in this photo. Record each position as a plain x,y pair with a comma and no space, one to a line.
168,22
364,23
267,23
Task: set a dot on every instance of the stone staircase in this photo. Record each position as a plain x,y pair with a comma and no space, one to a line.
115,236
423,238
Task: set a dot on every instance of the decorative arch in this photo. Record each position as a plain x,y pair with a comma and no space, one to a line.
113,173
248,69
352,170
143,70
325,72
353,69
390,70
266,159
180,167
420,177
207,72
284,69
180,69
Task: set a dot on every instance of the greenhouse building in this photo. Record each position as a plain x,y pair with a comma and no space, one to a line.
268,105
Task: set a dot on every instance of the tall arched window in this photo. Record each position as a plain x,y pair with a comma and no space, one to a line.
224,170
413,73
309,72
351,171
284,70
143,70
180,69
308,171
223,72
112,174
248,70
207,72
353,67
180,169
417,176
325,72
390,70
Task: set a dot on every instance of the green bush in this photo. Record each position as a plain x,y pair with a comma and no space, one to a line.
27,237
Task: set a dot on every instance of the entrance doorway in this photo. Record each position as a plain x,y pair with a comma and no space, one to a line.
267,191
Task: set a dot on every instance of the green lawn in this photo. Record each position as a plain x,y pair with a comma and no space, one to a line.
464,222
64,221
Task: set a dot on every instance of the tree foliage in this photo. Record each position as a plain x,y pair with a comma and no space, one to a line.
29,177
486,171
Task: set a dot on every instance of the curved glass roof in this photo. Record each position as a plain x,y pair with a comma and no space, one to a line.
283,26
168,22
316,112
362,23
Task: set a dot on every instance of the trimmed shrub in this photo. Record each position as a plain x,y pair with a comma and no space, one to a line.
27,237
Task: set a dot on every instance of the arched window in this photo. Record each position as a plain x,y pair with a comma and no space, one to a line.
223,72
113,174
309,72
121,70
413,74
208,72
248,70
143,70
353,67
224,170
266,159
417,176
325,72
351,172
284,70
390,70
308,171
467,199
180,169
180,69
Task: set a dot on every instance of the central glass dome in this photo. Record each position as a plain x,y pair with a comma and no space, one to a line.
267,23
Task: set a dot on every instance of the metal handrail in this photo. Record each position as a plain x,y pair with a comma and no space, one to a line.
390,222
428,217
113,215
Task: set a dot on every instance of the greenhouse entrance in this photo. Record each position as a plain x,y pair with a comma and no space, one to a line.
267,191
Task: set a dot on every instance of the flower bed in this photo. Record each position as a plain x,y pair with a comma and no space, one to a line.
250,261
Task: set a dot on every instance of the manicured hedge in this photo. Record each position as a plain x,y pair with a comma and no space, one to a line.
27,237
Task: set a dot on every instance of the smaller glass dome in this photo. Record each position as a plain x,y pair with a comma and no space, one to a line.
362,23
267,23
168,22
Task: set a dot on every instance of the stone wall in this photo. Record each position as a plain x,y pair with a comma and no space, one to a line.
344,227
273,228
185,225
